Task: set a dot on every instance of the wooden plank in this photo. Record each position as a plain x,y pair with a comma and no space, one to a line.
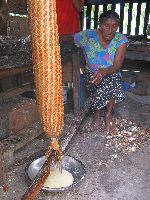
138,52
8,95
82,20
2,173
138,18
104,7
88,17
1,89
146,18
15,80
7,83
121,17
113,6
139,47
137,55
3,176
129,18
96,16
12,70
3,17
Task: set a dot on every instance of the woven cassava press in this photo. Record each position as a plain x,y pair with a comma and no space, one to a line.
47,65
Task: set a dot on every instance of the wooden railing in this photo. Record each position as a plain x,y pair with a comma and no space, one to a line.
134,14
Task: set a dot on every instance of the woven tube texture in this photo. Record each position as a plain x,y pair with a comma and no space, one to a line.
47,65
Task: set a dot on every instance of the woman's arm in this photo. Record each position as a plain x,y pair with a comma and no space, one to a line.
118,61
78,5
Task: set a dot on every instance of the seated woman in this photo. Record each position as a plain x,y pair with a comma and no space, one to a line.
104,49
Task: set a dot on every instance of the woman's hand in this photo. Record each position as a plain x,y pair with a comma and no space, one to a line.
98,76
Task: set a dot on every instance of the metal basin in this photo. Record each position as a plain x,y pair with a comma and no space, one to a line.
70,164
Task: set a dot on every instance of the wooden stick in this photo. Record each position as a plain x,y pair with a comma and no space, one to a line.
75,124
39,180
2,169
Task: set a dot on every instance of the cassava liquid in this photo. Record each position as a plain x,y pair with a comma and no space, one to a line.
58,179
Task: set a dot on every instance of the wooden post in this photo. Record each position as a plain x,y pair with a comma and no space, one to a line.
76,81
3,17
2,169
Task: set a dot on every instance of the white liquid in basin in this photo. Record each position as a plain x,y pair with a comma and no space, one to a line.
58,179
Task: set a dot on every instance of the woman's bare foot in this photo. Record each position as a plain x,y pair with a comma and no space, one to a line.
96,123
91,127
110,126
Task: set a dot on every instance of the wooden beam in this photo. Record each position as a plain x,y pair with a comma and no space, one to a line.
3,17
96,16
11,71
146,18
88,17
104,7
121,17
138,18
113,6
129,18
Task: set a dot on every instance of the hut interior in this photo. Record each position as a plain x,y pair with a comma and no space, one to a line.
19,119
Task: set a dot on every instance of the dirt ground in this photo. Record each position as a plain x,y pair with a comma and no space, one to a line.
117,167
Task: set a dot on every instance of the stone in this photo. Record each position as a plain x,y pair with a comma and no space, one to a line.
16,114
22,115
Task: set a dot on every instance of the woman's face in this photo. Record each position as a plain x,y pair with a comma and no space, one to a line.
109,28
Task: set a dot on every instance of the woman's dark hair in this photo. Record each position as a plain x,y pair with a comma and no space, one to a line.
107,15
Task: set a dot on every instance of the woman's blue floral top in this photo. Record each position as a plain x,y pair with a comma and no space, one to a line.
96,56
